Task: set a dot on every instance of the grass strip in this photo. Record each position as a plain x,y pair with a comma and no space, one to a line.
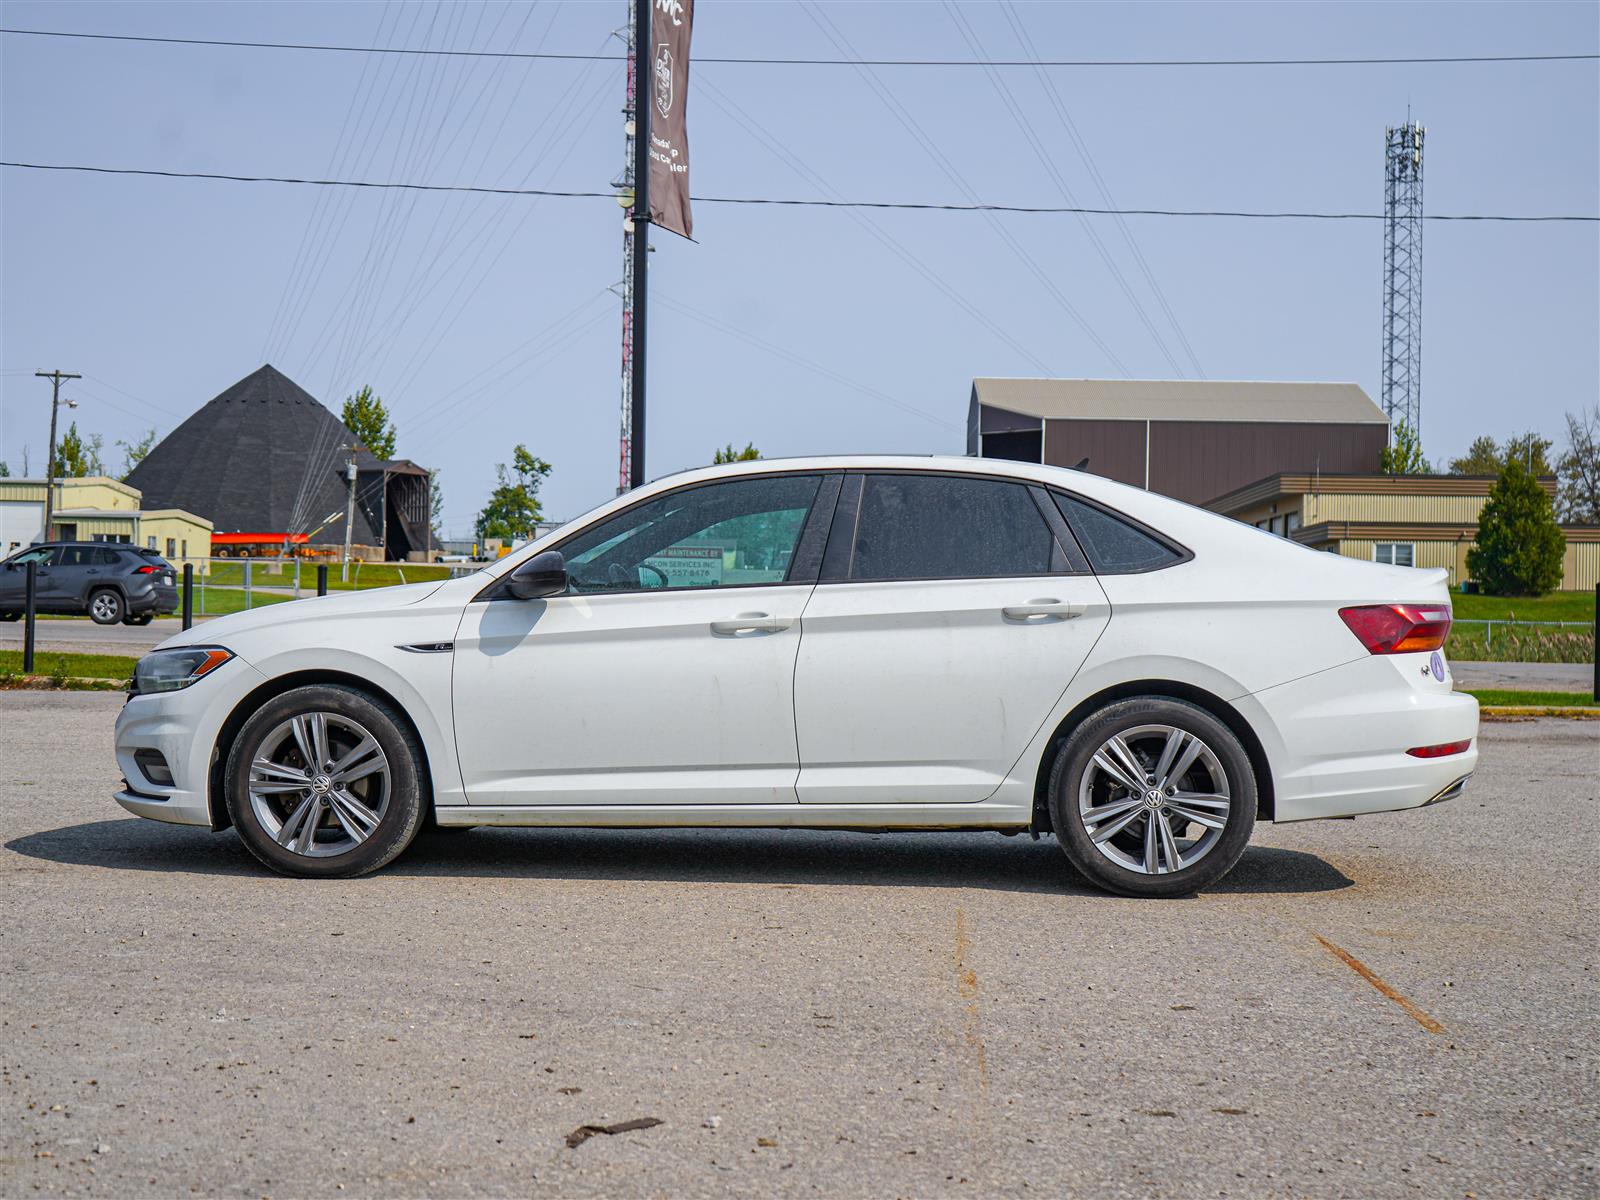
1505,697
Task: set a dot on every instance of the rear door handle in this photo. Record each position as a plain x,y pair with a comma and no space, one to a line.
1036,611
755,622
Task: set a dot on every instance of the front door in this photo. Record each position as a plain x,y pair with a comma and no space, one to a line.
945,628
665,675
14,584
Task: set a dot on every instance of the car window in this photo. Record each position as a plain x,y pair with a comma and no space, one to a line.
1115,546
949,527
729,534
105,558
76,556
42,555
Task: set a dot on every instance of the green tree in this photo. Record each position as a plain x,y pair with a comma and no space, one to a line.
1578,500
728,454
78,456
365,416
1520,547
513,509
1403,455
1481,458
133,452
1487,457
5,469
436,507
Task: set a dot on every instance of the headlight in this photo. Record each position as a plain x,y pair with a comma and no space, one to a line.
169,670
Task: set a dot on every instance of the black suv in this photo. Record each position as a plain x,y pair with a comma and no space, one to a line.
111,581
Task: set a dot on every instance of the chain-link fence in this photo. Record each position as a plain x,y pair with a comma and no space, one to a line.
1521,641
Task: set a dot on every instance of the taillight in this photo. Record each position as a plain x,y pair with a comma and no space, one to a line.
145,570
1439,751
1399,628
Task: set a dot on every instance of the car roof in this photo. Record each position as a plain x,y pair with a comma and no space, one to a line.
96,545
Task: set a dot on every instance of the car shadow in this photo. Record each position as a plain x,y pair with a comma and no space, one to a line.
773,856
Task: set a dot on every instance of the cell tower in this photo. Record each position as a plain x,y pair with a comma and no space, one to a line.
625,197
1402,275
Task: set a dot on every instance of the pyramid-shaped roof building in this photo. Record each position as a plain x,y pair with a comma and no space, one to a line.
264,457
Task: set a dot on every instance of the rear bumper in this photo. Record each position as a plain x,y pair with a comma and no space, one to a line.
1337,740
156,600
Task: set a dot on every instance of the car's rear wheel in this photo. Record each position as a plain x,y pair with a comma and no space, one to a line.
1153,797
326,781
140,619
106,607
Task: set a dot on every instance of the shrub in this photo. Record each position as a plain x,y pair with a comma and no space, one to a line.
1520,546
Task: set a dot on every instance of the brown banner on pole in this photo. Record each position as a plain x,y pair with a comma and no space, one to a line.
669,143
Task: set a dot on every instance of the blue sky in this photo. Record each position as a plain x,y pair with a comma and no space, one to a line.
486,321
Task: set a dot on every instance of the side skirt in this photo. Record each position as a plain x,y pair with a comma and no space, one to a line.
983,815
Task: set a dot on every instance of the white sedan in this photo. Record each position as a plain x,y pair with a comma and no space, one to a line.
841,643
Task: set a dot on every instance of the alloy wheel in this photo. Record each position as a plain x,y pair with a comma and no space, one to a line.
1154,799
319,784
105,608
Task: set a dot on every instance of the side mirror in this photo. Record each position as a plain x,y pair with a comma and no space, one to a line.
542,575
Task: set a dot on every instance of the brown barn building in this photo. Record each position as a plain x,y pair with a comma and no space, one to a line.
1193,440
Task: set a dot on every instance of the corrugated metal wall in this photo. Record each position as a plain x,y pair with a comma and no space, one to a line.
1392,509
1115,449
1580,568
1200,460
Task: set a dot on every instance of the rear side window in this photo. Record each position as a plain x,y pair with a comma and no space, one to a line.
949,527
1115,545
105,558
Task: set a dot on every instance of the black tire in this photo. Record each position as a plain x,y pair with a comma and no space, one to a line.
1099,862
140,619
10,616
408,801
106,606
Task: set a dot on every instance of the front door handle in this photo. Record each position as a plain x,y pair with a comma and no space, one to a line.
1049,609
754,622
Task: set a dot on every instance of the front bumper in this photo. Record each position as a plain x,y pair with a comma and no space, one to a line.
1337,740
183,727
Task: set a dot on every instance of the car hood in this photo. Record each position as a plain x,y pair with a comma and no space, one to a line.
382,599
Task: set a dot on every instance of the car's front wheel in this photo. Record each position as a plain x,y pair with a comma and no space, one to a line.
1154,797
326,781
106,607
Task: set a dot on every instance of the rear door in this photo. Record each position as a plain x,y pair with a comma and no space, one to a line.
952,613
69,578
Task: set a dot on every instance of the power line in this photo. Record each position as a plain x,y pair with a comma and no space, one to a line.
909,123
790,202
1064,116
827,62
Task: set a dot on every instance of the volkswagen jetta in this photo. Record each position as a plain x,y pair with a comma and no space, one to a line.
843,643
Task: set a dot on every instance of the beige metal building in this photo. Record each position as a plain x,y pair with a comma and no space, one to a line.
98,509
1407,520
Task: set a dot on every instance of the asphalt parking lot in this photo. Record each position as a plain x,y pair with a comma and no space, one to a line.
1400,1005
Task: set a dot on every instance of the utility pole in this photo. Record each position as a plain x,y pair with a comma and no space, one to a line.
349,510
635,196
55,378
